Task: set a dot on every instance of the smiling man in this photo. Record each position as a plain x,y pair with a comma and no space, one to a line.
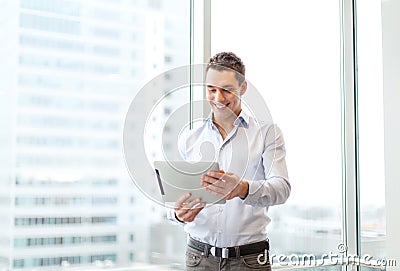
253,176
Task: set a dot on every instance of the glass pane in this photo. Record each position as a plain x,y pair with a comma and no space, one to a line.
70,70
291,50
371,129
372,269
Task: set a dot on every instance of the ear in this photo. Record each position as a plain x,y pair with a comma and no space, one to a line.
243,88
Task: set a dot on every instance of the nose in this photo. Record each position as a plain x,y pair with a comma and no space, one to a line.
219,96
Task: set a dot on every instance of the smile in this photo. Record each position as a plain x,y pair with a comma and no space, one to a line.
220,106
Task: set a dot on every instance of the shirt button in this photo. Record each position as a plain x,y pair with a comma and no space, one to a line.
219,231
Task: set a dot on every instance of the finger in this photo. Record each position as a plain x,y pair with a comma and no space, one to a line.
182,199
182,211
217,185
191,214
198,209
215,174
188,215
216,191
230,177
191,204
210,180
222,189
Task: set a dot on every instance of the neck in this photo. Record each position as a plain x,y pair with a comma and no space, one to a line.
225,126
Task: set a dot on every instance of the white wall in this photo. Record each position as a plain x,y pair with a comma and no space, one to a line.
391,84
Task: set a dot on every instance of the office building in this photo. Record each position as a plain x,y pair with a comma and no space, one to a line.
72,69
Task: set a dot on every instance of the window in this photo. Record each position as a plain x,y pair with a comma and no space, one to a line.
77,66
371,154
43,23
294,64
131,256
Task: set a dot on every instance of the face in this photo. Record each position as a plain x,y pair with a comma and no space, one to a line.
223,93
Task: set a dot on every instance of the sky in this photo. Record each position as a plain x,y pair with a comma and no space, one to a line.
292,57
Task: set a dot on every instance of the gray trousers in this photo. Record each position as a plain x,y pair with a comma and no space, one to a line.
195,261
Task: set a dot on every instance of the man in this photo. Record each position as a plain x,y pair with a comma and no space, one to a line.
251,154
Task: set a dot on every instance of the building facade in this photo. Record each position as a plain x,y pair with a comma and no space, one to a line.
70,69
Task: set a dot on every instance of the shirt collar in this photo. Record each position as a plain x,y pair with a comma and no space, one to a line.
242,119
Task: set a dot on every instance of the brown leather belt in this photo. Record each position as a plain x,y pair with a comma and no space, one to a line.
229,252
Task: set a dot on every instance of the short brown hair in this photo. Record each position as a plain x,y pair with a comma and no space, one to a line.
228,61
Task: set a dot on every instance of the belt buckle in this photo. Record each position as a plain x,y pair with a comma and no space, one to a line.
224,252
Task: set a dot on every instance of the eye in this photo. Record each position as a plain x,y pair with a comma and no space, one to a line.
212,90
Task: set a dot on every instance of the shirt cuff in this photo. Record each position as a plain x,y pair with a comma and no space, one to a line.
172,217
255,193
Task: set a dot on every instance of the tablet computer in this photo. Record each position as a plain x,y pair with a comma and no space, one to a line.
176,178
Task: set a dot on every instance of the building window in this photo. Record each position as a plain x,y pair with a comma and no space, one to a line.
19,263
168,59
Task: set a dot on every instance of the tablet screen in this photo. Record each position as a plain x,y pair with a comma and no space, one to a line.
176,178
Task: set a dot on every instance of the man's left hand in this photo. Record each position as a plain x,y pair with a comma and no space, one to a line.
226,185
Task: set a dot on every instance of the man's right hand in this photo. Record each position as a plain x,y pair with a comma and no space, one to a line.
186,211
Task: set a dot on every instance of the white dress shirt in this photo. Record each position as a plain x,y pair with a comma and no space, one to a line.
253,150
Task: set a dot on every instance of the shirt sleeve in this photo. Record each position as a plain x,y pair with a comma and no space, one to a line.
275,188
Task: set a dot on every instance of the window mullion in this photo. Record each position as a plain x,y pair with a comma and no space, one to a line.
350,172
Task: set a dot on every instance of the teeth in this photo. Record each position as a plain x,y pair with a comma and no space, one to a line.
220,106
